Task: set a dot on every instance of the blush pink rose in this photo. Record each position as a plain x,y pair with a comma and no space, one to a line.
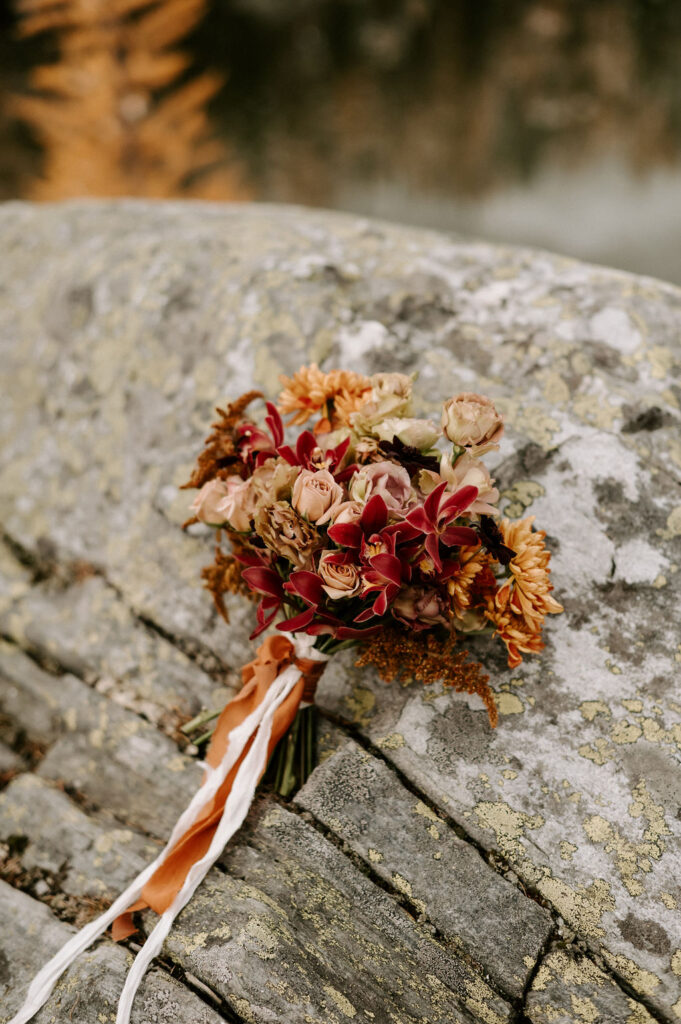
236,508
206,504
389,480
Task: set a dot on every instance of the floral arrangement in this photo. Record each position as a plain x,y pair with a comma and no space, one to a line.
377,530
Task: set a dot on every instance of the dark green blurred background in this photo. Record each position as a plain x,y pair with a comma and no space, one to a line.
548,122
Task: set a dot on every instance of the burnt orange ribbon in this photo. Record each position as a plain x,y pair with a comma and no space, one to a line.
273,656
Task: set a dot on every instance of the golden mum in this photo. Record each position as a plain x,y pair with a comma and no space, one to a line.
336,395
519,607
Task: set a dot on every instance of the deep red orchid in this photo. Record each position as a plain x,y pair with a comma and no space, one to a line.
268,583
310,456
435,517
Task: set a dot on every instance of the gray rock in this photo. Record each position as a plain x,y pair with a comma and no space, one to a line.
89,991
123,324
444,878
297,933
87,629
88,857
108,754
570,989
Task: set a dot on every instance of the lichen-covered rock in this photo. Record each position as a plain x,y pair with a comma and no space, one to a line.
409,846
570,989
123,324
89,991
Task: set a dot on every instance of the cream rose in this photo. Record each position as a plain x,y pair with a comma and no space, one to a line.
206,504
468,471
471,422
315,494
339,581
390,395
421,434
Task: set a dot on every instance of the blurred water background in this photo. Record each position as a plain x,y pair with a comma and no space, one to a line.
545,122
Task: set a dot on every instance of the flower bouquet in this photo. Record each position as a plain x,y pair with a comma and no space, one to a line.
374,530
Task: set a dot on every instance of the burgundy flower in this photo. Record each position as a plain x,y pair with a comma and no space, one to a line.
309,455
434,519
268,583
255,445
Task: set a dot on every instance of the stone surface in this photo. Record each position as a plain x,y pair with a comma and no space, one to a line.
297,933
87,629
405,843
570,989
52,834
123,324
109,755
89,991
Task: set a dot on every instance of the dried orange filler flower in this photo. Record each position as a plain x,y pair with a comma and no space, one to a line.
396,654
310,390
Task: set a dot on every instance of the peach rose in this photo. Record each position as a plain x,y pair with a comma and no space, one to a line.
339,580
347,512
315,495
206,504
236,508
471,422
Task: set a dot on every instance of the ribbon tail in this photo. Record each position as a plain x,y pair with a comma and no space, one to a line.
235,810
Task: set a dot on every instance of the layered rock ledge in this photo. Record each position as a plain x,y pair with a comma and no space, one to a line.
431,869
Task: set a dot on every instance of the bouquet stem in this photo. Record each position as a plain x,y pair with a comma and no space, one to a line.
295,757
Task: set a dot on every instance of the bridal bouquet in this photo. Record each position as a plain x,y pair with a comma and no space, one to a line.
375,530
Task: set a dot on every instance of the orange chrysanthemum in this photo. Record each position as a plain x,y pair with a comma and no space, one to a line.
336,395
519,607
460,586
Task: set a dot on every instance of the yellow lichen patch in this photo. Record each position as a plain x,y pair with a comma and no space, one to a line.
675,962
375,856
261,931
673,528
393,741
508,825
600,751
343,1003
567,850
595,410
643,981
669,900
582,907
425,811
360,703
533,422
520,496
632,858
477,1001
242,1007
591,708
584,1009
508,703
625,732
633,705
402,884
